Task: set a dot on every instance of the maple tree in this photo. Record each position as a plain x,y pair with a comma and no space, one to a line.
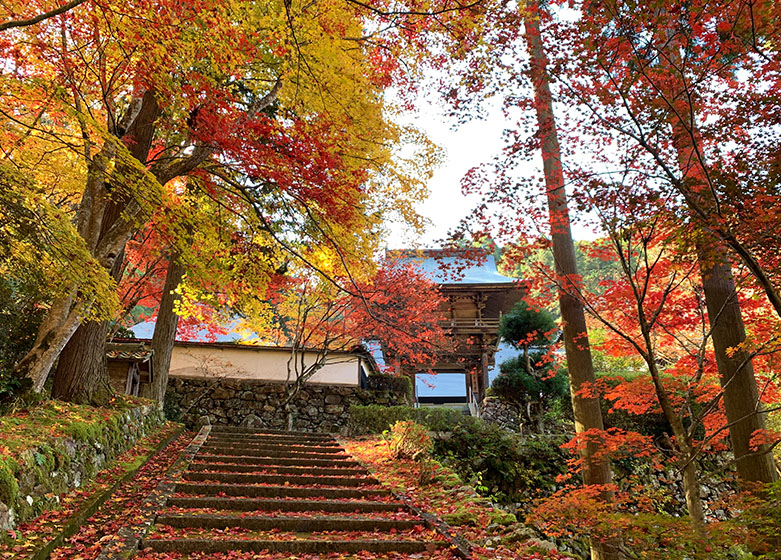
649,310
655,309
662,98
644,109
396,306
283,118
631,96
27,14
486,63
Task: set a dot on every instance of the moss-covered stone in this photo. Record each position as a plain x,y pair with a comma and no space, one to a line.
503,518
9,487
112,431
461,516
449,480
62,456
58,447
82,431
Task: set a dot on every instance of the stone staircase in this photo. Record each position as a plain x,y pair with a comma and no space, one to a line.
271,492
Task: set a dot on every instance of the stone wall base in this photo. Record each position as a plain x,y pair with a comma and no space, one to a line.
63,464
316,408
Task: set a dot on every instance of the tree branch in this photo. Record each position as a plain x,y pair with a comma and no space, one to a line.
41,17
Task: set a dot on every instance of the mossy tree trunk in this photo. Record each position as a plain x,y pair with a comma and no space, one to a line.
82,373
81,376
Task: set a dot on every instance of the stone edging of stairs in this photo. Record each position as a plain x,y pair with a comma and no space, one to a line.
89,509
125,543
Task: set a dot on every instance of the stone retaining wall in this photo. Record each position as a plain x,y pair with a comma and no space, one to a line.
504,414
62,464
668,482
316,408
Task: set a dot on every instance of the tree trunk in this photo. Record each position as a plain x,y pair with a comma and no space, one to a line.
165,332
683,443
587,411
62,320
289,417
59,324
691,489
736,371
81,375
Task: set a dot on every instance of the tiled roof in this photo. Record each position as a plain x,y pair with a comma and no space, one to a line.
130,351
447,266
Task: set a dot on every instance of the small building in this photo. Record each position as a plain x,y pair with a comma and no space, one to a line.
129,366
476,297
231,360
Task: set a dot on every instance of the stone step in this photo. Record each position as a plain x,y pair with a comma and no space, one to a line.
276,469
276,461
282,444
187,546
252,504
258,438
274,447
277,491
292,524
249,452
249,478
263,431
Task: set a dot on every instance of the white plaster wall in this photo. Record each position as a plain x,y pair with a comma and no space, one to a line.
257,363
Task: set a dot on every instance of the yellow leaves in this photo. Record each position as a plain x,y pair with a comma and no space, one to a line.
72,89
38,241
324,258
398,184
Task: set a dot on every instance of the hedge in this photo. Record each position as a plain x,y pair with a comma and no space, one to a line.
395,383
375,419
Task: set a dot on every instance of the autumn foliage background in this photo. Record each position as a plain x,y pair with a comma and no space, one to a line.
207,160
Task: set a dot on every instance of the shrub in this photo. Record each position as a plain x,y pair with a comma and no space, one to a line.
409,440
761,516
400,384
375,419
503,466
515,384
440,418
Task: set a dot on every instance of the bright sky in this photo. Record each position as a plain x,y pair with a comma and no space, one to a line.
469,145
466,146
